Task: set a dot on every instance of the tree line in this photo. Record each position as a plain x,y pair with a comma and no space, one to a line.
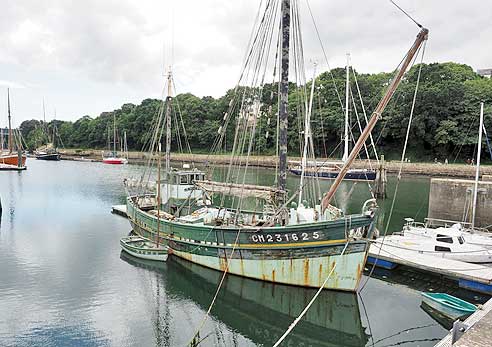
444,125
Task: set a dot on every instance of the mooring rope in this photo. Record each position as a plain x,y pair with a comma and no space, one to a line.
207,314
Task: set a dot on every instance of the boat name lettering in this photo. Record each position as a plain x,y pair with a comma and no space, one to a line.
271,238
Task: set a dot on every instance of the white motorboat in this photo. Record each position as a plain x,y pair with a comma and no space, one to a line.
443,242
472,236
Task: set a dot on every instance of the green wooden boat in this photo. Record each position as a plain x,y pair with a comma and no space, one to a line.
296,238
450,306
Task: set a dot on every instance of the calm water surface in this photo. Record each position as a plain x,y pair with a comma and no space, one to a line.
64,281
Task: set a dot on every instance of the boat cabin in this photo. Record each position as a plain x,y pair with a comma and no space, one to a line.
179,185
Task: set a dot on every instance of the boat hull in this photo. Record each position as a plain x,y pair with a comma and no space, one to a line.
445,309
301,255
304,271
481,256
50,157
366,175
12,159
114,161
147,254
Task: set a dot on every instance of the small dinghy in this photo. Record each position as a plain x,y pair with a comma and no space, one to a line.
448,305
144,249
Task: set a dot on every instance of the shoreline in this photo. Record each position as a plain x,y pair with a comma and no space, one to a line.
392,167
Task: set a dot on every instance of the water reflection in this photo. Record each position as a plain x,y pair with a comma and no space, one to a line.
262,311
62,282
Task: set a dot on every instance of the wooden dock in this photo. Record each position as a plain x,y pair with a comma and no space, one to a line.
478,331
474,277
119,210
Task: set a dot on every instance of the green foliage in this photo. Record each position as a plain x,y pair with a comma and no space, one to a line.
445,118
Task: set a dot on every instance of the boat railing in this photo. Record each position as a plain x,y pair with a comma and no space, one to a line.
444,222
430,222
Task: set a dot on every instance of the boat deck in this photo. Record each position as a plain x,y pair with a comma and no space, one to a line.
119,210
5,167
473,277
478,335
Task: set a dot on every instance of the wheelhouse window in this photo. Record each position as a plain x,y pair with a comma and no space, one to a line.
444,238
184,179
461,240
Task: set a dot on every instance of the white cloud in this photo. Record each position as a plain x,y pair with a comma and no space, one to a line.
90,56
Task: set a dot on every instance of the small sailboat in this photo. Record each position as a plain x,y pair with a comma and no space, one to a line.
49,150
450,306
144,249
10,158
466,232
113,157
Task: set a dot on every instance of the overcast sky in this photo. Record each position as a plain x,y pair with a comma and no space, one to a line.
86,57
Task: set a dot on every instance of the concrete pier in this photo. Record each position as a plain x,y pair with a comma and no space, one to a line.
474,277
452,199
477,330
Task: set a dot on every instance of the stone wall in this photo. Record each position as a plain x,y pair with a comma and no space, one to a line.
451,199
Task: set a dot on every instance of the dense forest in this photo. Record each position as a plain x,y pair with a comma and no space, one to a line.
444,126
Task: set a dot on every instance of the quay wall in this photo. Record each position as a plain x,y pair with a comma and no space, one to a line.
392,167
451,199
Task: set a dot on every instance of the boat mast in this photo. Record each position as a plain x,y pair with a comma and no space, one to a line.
114,133
284,97
125,146
307,137
45,128
421,37
346,136
477,172
10,124
158,193
168,121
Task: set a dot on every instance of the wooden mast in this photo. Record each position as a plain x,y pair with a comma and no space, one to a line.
10,123
284,98
168,122
421,37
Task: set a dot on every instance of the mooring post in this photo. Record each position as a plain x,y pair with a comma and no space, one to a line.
380,189
19,158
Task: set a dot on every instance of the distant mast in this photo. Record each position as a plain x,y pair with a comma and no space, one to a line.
346,127
114,134
10,123
284,95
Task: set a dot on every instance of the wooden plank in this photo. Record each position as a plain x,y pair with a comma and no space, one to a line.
119,210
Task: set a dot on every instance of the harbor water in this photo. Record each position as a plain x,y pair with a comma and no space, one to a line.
65,282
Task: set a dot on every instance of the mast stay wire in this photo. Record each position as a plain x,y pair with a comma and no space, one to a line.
402,159
365,115
406,14
325,56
